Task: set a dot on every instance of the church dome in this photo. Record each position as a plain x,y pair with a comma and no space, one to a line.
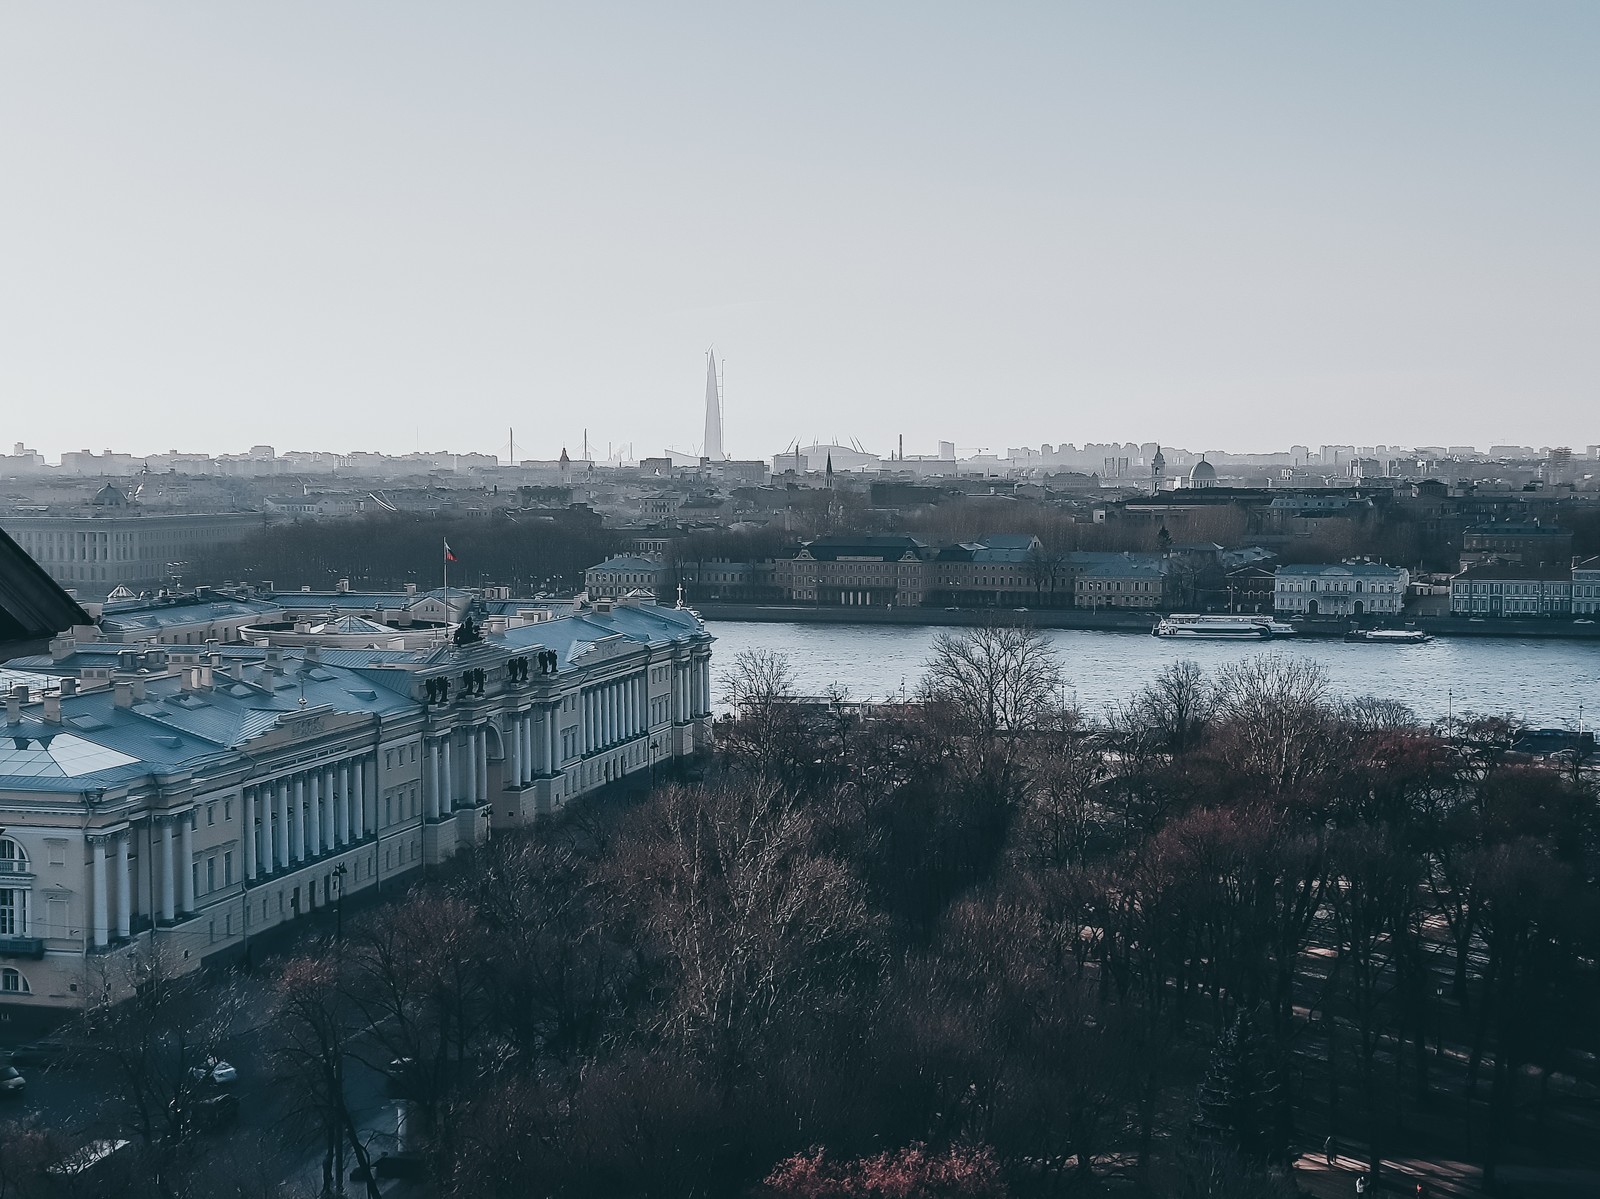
109,497
1203,474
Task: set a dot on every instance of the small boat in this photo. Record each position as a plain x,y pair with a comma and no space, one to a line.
1389,636
1223,628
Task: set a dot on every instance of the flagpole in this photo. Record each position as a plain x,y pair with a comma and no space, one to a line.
446,565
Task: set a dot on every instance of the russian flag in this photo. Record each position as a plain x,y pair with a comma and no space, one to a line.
448,556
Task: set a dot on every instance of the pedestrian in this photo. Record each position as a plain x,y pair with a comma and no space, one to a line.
1330,1149
1361,1184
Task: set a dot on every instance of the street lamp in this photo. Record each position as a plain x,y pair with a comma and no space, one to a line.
338,907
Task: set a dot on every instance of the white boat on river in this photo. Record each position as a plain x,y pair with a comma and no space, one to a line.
1222,628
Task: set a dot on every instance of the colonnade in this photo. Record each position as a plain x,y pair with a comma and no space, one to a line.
614,712
304,815
692,689
530,739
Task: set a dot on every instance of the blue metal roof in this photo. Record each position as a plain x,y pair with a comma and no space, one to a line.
100,744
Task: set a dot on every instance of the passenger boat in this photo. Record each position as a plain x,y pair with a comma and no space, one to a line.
1223,628
1389,636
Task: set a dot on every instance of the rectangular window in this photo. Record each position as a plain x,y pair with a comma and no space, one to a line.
227,810
211,813
211,874
227,869
13,906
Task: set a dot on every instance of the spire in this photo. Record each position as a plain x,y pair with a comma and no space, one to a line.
713,448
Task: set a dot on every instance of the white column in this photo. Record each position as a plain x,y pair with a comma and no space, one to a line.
514,758
186,861
435,778
269,804
359,799
613,733
297,851
525,739
447,801
314,789
169,872
480,764
102,918
281,831
249,835
552,738
332,798
124,885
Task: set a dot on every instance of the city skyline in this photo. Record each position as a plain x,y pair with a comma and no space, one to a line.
405,227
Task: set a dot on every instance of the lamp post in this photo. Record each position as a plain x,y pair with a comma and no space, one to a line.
338,907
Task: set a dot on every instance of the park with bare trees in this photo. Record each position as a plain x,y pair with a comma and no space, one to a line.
1235,936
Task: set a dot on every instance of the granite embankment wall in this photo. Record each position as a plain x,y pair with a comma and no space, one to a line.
1128,622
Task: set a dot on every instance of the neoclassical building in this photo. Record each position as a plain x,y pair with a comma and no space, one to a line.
185,799
1353,588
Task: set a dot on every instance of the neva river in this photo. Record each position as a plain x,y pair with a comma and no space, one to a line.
1544,682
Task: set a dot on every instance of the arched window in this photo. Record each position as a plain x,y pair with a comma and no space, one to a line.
10,851
12,982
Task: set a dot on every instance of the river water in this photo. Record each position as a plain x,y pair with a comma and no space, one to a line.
1543,682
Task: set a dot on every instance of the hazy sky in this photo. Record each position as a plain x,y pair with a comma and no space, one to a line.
393,225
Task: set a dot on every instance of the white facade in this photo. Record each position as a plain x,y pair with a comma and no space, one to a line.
1586,588
190,805
1340,589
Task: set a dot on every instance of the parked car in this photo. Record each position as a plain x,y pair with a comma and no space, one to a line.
11,1080
36,1053
216,1071
206,1112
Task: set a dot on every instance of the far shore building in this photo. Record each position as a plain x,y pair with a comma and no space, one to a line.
856,572
1507,589
1525,543
1586,588
616,577
94,548
1123,581
1356,588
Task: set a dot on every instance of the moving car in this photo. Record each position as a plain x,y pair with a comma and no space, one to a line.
11,1080
215,1070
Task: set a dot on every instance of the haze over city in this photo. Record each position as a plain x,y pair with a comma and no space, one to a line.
405,226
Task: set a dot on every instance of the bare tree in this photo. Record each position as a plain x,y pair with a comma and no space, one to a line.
151,1031
766,733
750,920
317,1023
1278,719
998,680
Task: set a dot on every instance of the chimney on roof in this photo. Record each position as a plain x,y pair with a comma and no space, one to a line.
62,647
138,688
14,699
124,695
69,688
52,707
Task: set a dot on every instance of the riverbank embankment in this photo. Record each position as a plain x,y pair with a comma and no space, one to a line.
1128,622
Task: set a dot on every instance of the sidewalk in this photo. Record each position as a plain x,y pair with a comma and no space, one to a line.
1443,1179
